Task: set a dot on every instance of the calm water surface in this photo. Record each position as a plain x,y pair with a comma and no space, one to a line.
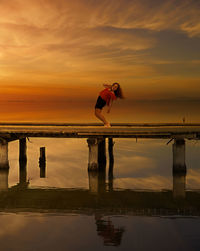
130,206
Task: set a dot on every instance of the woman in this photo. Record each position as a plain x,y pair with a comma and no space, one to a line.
106,97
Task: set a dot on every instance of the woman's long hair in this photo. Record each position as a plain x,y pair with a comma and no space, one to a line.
118,92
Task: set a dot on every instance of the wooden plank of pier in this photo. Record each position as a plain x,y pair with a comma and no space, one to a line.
118,130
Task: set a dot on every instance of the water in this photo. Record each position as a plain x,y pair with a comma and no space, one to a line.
79,111
141,205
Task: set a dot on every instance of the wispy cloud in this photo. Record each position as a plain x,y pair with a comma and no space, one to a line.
82,42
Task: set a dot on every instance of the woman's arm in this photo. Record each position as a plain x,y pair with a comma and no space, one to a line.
107,85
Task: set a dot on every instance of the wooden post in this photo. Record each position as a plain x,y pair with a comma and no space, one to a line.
179,155
102,153
22,172
102,180
111,164
110,150
4,165
4,154
4,178
42,162
179,168
97,153
22,161
22,150
93,154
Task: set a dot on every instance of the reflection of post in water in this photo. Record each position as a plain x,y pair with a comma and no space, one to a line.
97,180
179,168
42,162
179,180
111,164
4,165
111,235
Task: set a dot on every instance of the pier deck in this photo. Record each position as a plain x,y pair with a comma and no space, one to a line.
12,131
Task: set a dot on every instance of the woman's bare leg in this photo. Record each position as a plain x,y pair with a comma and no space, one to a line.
100,116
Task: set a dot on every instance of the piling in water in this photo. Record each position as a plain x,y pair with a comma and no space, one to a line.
22,150
97,153
42,162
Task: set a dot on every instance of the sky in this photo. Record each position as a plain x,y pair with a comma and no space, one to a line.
65,50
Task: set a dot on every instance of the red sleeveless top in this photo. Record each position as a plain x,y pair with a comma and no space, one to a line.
107,95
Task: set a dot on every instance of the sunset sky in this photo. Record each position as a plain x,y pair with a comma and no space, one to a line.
64,50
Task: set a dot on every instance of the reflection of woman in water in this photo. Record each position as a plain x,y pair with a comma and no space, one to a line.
111,235
110,93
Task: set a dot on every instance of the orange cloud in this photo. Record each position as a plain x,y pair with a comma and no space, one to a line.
47,44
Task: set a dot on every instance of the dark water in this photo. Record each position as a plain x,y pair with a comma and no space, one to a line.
139,203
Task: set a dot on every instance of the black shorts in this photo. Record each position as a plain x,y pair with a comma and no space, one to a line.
100,103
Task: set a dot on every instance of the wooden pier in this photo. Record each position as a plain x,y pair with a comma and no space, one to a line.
15,131
96,136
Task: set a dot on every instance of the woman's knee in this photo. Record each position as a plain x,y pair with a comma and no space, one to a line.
97,112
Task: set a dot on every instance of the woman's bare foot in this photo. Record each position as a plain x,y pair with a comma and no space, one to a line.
107,125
